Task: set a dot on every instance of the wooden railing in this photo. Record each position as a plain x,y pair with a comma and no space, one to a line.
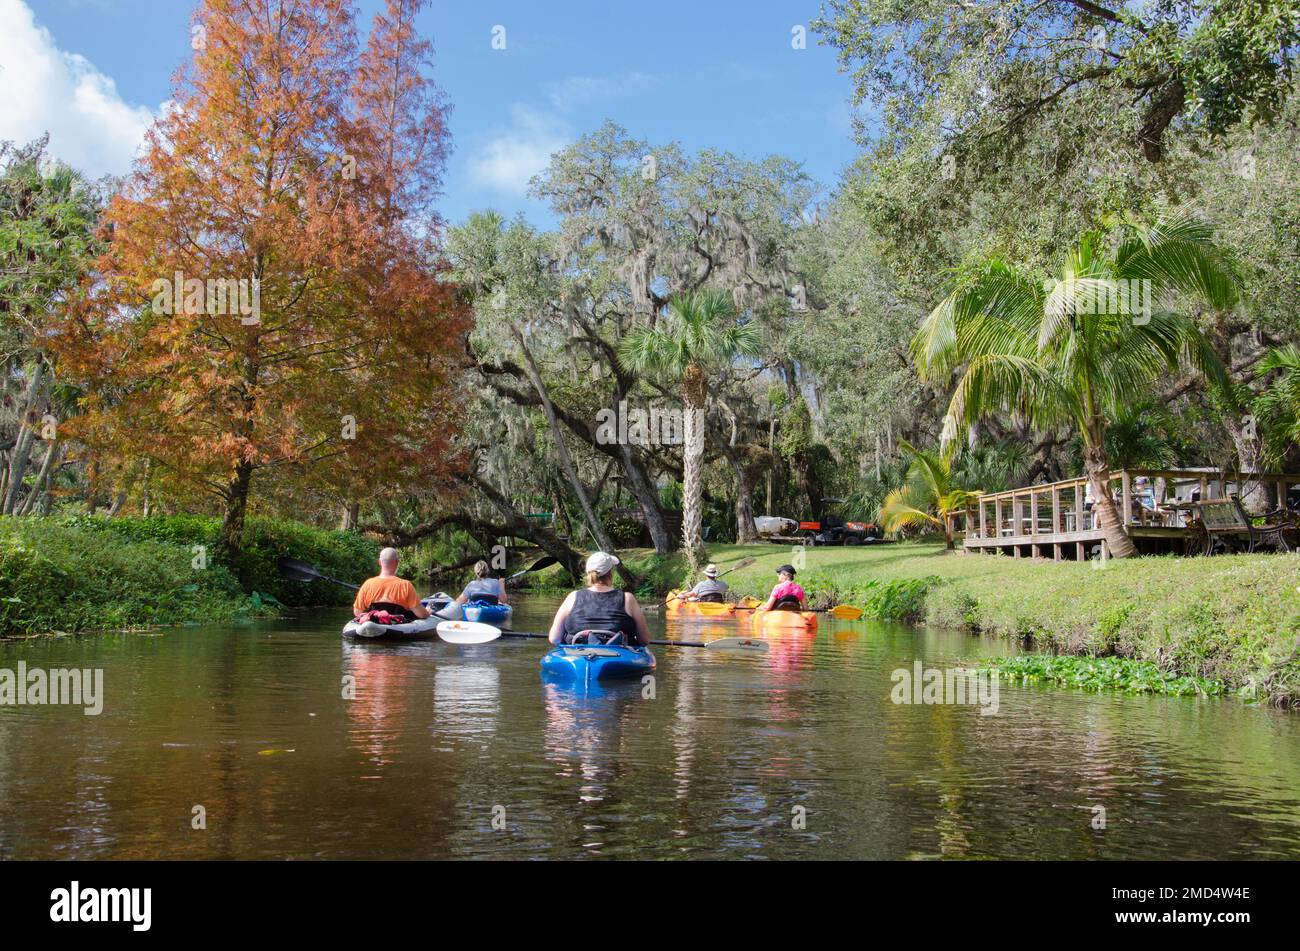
1065,509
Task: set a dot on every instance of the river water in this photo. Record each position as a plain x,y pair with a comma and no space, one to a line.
239,743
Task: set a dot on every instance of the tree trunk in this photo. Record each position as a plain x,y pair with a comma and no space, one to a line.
639,484
1097,465
348,520
41,485
230,540
693,390
557,435
1252,492
22,450
746,533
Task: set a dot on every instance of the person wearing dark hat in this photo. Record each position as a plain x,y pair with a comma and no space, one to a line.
710,589
786,595
600,607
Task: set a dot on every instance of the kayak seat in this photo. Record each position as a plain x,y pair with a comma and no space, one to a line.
713,597
484,599
787,603
595,637
403,612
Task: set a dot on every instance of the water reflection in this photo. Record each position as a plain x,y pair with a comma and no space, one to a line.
716,761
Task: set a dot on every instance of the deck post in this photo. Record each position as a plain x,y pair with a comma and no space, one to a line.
1078,551
1033,513
984,523
1056,514
1056,551
997,517
1126,487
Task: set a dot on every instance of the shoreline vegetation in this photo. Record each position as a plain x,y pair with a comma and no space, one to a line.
1211,626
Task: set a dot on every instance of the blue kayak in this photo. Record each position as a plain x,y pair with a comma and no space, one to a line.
484,613
584,664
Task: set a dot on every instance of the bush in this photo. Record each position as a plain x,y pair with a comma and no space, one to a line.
57,577
342,555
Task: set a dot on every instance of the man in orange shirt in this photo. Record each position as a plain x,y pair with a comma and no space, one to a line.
387,588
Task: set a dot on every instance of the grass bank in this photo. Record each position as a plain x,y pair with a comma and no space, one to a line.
1234,619
94,573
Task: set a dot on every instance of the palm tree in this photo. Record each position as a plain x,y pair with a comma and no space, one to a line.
1279,406
928,495
695,337
1077,350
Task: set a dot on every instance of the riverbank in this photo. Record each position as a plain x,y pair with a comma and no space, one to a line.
94,573
1234,619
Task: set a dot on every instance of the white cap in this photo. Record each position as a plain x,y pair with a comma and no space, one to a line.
601,562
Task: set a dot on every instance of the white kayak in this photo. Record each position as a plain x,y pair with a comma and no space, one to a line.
425,627
444,606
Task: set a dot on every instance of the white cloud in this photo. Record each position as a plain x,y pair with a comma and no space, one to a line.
510,157
43,89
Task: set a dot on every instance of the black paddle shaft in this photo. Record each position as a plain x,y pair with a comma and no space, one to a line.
658,643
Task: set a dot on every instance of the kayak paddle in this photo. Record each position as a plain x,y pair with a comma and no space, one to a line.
538,565
296,570
469,632
743,563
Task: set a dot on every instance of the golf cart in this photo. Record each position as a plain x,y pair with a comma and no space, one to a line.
832,529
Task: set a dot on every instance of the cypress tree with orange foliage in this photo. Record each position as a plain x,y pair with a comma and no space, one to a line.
271,305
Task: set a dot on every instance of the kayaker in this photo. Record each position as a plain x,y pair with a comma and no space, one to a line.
710,589
484,587
386,590
600,607
785,593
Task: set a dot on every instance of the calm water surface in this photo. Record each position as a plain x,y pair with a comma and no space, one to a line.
250,723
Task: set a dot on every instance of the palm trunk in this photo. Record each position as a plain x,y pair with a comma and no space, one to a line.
693,389
1097,466
41,485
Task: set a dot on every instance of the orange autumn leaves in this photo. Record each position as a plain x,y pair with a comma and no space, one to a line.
298,166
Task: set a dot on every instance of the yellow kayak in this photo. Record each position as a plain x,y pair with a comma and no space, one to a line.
676,607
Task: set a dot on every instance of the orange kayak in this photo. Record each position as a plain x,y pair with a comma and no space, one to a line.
785,620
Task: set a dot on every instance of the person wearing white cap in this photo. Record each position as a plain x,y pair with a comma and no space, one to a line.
600,607
710,589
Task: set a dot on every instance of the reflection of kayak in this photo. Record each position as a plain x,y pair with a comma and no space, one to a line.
484,613
412,630
676,607
584,664
786,620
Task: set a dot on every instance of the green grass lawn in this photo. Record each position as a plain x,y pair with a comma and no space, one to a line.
1234,619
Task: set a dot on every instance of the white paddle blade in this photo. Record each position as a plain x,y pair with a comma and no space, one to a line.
467,632
739,644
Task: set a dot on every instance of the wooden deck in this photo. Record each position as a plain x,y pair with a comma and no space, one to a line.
1057,520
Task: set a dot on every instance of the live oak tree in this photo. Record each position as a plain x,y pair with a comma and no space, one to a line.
304,169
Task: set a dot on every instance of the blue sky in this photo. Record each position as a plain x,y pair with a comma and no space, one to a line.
705,73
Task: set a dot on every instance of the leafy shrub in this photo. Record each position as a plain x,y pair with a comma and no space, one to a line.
342,555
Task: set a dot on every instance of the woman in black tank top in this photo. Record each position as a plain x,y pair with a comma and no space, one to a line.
600,607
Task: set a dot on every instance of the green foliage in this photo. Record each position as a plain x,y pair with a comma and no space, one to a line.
61,577
342,555
1104,673
623,531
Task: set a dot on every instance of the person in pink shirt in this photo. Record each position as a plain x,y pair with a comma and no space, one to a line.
786,595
